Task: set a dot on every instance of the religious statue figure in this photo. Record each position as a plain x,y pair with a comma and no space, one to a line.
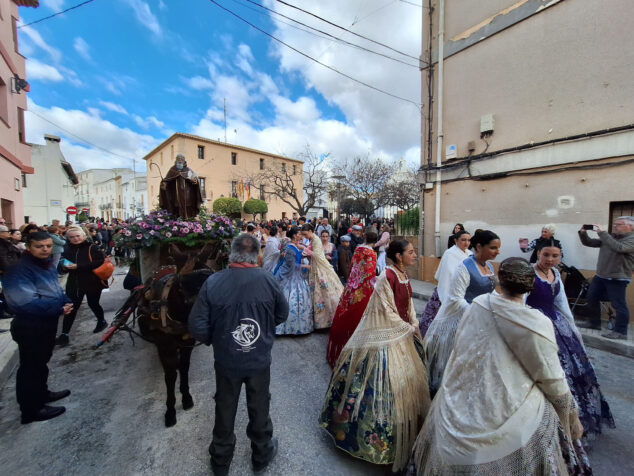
180,190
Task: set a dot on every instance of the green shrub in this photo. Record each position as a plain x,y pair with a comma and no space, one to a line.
230,207
254,206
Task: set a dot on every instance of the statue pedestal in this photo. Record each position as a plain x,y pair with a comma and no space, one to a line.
149,260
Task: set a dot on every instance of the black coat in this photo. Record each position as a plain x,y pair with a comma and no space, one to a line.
83,280
9,254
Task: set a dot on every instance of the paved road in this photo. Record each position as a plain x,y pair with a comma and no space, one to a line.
114,418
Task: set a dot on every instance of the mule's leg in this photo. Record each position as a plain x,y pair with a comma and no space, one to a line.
183,369
168,353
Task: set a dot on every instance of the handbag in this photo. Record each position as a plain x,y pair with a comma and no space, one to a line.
105,271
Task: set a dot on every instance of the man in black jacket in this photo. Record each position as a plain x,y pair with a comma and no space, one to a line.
236,312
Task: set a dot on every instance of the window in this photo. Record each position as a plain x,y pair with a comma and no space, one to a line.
234,188
261,164
203,192
261,191
4,98
294,169
283,168
23,180
21,135
234,158
201,152
620,209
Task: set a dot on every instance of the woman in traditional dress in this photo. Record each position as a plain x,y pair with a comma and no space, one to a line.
448,264
330,251
549,297
473,277
271,253
355,297
292,279
325,286
380,247
504,407
378,396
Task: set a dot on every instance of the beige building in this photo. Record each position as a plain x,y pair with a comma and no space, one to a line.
224,170
101,192
15,153
51,188
529,118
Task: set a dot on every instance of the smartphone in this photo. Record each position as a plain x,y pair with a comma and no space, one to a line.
588,227
66,262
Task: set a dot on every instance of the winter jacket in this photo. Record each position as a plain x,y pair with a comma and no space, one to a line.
9,255
616,254
33,292
82,280
236,311
58,243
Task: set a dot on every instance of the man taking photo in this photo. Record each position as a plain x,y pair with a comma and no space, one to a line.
614,272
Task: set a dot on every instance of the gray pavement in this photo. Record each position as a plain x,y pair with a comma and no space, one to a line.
114,418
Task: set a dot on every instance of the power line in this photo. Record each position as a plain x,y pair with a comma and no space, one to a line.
332,37
80,138
345,29
58,13
412,3
313,59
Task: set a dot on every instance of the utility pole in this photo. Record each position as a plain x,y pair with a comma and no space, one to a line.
224,112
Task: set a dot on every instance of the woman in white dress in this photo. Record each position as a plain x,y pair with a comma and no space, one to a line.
380,247
271,253
325,286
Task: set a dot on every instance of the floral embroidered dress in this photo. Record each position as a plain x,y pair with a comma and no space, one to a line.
295,288
353,301
325,285
550,298
378,396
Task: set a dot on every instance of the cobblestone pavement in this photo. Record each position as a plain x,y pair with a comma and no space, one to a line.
114,418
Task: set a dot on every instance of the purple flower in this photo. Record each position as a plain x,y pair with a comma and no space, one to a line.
185,230
139,236
174,228
168,234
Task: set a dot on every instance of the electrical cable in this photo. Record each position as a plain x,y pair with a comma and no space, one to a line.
334,38
412,3
58,13
313,59
78,137
345,29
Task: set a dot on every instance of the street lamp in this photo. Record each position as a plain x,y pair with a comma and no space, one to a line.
338,178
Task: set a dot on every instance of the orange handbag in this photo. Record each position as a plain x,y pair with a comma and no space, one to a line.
105,271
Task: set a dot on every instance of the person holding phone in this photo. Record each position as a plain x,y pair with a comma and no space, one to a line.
547,236
79,259
614,272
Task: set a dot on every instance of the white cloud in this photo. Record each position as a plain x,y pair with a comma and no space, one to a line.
38,41
82,48
199,83
55,5
288,112
88,126
146,123
145,16
43,72
114,107
162,5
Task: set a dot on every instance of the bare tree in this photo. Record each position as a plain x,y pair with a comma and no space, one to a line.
402,190
366,180
280,181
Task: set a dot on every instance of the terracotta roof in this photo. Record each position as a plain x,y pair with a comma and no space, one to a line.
27,3
224,144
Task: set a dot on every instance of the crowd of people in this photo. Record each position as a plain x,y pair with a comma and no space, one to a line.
493,379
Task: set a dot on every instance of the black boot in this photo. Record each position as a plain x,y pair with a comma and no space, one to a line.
44,413
101,325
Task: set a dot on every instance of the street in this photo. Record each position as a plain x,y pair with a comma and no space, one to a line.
114,418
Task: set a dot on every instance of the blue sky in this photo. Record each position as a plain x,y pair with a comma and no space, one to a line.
122,75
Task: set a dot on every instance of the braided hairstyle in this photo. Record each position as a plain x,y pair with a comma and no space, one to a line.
516,275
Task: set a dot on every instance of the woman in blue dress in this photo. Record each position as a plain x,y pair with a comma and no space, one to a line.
549,297
475,276
294,283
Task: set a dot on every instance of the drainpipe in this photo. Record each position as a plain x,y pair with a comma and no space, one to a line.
439,100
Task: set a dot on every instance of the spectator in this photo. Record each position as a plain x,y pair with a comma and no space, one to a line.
324,225
58,243
9,253
452,238
344,253
236,311
16,239
381,246
614,272
356,237
83,257
547,236
37,300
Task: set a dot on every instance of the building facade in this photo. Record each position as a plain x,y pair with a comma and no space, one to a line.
224,170
134,197
51,189
100,191
15,153
527,121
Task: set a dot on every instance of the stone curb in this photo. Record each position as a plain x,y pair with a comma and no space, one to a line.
8,354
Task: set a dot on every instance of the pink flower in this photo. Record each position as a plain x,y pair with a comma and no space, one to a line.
139,236
168,234
185,230
174,228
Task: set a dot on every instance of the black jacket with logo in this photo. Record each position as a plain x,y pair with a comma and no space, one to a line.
236,311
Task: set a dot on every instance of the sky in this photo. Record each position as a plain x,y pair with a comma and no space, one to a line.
115,78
